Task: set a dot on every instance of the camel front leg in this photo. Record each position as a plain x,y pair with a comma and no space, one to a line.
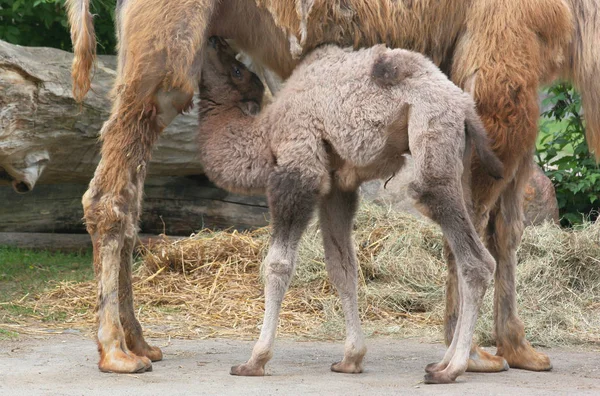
107,218
336,217
111,209
292,199
158,71
131,326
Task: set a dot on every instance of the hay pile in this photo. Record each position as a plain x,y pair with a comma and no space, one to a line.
210,285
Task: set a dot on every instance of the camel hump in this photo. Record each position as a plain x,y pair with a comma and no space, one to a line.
391,67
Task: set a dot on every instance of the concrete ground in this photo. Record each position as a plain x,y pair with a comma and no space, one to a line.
66,365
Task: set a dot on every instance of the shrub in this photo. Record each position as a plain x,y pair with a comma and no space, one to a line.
43,23
564,156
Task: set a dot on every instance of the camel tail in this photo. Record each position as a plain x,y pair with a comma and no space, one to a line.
584,66
84,45
479,137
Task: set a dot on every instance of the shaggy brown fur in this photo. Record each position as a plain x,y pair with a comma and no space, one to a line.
342,118
506,48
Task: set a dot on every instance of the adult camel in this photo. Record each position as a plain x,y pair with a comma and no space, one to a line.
507,47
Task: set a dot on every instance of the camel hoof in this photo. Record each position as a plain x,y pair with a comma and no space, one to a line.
347,368
246,370
118,361
147,363
152,353
526,358
482,362
435,367
438,377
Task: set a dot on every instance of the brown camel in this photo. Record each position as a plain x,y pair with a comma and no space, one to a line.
507,47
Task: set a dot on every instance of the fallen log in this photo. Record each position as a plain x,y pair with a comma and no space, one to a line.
48,140
172,205
66,242
46,137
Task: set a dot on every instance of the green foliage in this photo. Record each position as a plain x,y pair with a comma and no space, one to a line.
564,155
43,23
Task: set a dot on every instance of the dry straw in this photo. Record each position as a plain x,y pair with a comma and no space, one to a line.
210,285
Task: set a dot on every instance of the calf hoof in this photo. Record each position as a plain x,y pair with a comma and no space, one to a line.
435,367
439,377
482,362
348,368
118,361
247,370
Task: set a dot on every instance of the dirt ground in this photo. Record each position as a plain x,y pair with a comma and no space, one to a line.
66,365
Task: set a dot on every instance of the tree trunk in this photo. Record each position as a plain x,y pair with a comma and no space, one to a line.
47,138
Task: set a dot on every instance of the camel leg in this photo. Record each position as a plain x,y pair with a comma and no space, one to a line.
106,221
131,326
438,191
336,216
505,231
479,360
292,199
475,268
505,91
146,100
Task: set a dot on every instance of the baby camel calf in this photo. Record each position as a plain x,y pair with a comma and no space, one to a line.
342,118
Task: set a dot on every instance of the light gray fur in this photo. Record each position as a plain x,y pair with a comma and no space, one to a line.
342,118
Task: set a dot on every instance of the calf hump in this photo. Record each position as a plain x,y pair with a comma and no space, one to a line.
394,66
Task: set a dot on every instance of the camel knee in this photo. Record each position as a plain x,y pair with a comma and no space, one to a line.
434,200
443,203
482,272
279,269
108,213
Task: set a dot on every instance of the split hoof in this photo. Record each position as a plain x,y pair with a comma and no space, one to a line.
347,368
439,377
118,361
246,370
152,353
482,362
525,358
435,367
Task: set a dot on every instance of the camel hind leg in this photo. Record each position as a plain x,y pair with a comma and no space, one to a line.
336,216
506,95
438,153
504,234
158,70
443,203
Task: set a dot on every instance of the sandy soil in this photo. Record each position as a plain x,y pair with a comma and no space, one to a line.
66,365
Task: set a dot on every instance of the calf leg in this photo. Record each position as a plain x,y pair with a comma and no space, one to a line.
292,199
475,267
336,216
155,82
479,360
438,190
